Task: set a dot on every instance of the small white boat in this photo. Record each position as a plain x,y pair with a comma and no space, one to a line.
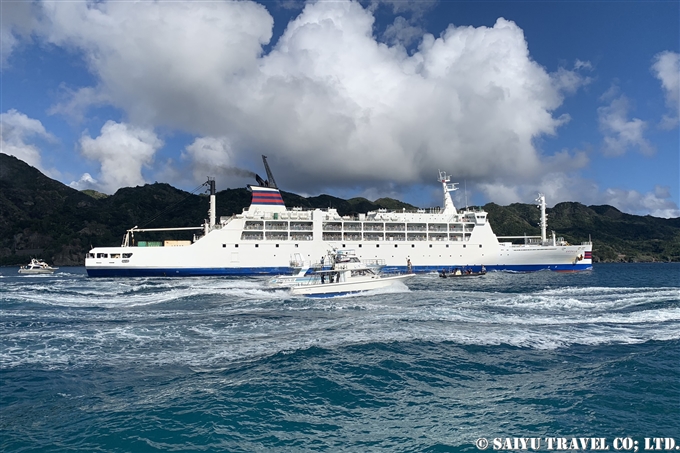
306,272
37,267
345,277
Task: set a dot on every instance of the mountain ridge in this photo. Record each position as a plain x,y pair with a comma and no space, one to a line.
42,217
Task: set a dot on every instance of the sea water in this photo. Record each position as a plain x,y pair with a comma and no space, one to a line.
498,362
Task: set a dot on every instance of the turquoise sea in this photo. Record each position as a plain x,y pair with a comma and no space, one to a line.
439,365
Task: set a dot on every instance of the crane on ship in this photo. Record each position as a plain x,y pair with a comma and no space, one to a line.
270,182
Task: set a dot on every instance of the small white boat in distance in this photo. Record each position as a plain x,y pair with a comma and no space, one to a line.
345,277
37,267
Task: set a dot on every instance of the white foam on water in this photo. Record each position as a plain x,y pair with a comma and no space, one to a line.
211,321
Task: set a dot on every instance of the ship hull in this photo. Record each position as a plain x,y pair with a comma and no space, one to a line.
220,254
255,271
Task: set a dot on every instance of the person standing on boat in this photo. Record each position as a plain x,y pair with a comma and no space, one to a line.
409,268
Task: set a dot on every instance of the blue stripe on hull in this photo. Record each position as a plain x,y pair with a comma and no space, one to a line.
243,271
189,272
510,268
328,295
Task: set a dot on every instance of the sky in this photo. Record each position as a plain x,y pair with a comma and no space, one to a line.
577,100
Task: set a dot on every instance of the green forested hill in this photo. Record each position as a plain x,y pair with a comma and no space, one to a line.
44,218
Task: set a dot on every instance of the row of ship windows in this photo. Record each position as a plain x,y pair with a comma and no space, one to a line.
111,255
255,236
400,227
258,226
358,245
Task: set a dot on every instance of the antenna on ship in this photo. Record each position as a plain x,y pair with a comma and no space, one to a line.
444,179
465,190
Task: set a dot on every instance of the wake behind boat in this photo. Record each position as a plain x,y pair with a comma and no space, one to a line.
37,266
260,240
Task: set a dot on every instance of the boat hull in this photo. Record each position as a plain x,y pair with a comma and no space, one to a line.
36,272
345,288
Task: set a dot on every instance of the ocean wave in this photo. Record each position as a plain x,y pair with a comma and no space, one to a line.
213,321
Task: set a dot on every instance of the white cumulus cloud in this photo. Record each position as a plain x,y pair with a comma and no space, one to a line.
559,187
330,104
121,150
569,81
17,21
621,133
666,68
16,131
181,64
86,181
657,203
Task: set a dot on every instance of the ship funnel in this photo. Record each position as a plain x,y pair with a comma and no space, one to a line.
266,195
544,217
213,204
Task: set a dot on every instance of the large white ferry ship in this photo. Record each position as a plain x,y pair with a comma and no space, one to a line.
265,237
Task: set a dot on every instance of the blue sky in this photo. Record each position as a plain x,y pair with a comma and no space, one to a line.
578,100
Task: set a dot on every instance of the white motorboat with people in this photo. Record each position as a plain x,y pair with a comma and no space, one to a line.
37,266
347,275
303,272
462,272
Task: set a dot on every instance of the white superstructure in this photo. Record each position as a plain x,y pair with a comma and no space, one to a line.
37,266
263,238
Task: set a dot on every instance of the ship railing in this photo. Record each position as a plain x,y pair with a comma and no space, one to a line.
519,237
471,209
301,226
130,234
301,236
